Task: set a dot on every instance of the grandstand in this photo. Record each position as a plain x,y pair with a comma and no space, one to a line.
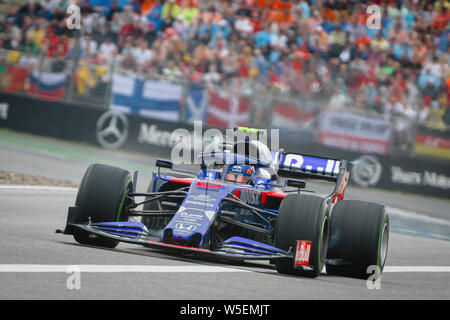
318,50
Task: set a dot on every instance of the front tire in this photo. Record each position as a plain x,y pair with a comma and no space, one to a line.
359,237
102,197
302,217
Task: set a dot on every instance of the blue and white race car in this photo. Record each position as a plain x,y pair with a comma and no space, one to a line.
235,208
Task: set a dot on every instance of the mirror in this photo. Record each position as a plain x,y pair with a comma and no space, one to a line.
163,164
301,184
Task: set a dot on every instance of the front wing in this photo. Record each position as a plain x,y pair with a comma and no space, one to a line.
225,253
233,249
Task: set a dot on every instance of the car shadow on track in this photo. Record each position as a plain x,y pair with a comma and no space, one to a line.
252,266
160,254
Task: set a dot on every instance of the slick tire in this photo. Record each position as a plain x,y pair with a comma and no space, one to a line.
302,217
359,238
102,197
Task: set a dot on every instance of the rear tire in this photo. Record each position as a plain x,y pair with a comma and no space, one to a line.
359,237
302,217
102,198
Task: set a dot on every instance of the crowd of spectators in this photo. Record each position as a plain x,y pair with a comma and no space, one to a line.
314,48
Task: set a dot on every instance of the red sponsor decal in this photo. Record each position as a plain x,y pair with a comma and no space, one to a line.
176,246
204,184
274,194
182,180
302,253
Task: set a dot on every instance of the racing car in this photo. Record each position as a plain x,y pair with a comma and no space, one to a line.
235,208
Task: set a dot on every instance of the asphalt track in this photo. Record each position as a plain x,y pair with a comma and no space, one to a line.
34,260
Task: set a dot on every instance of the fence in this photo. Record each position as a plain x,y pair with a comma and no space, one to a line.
68,80
83,82
332,119
135,133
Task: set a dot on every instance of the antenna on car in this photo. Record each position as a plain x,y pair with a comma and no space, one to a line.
203,165
205,174
250,131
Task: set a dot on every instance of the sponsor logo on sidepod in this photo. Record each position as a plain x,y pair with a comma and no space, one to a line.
250,196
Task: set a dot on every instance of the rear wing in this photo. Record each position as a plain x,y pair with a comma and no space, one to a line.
293,165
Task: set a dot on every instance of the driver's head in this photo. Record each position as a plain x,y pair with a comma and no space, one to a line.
240,173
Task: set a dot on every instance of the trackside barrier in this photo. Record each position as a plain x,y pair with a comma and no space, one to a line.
111,129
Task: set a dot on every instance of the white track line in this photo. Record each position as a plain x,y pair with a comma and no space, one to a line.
416,269
49,268
21,268
412,215
34,187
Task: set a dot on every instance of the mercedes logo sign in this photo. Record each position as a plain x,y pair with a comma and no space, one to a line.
366,171
112,129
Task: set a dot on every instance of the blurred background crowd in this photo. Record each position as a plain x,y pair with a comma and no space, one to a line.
322,49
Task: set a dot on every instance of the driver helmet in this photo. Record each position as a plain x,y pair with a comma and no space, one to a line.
240,173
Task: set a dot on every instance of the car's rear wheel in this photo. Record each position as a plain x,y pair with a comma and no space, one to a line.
302,217
359,238
102,197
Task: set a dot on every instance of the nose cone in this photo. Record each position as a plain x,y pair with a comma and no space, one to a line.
196,214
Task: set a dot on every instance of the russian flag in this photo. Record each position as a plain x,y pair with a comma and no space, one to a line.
47,85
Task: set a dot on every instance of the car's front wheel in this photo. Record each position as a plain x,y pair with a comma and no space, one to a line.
302,217
102,197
